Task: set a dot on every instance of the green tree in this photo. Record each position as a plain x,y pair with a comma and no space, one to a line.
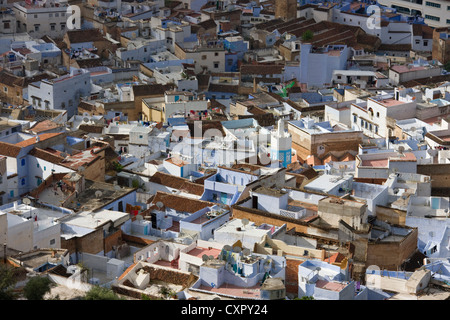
117,166
447,66
307,36
36,288
100,293
7,283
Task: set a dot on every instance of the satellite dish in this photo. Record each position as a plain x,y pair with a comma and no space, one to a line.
246,252
117,187
159,204
413,129
85,119
63,154
139,217
227,248
98,193
81,169
401,149
211,257
205,257
26,201
245,222
237,249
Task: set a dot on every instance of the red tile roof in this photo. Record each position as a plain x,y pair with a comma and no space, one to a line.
42,137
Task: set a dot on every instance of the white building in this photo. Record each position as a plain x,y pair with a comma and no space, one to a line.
402,73
376,117
317,64
61,93
31,228
43,18
435,12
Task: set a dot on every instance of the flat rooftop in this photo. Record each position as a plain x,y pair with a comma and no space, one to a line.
199,252
329,285
235,291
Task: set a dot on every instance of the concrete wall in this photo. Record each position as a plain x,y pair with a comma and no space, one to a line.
391,215
20,233
390,254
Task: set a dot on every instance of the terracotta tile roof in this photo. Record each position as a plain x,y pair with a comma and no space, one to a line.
9,150
179,203
45,155
91,128
223,88
335,258
262,69
151,89
87,35
204,127
178,183
42,137
7,78
207,24
44,125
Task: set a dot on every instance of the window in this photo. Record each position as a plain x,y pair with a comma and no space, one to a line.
6,25
22,162
52,27
23,182
417,41
37,165
36,27
216,65
378,114
52,242
425,43
448,21
355,118
216,54
432,4
63,26
204,57
35,16
5,89
50,15
427,16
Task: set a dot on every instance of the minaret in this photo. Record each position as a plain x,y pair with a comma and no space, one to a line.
281,145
